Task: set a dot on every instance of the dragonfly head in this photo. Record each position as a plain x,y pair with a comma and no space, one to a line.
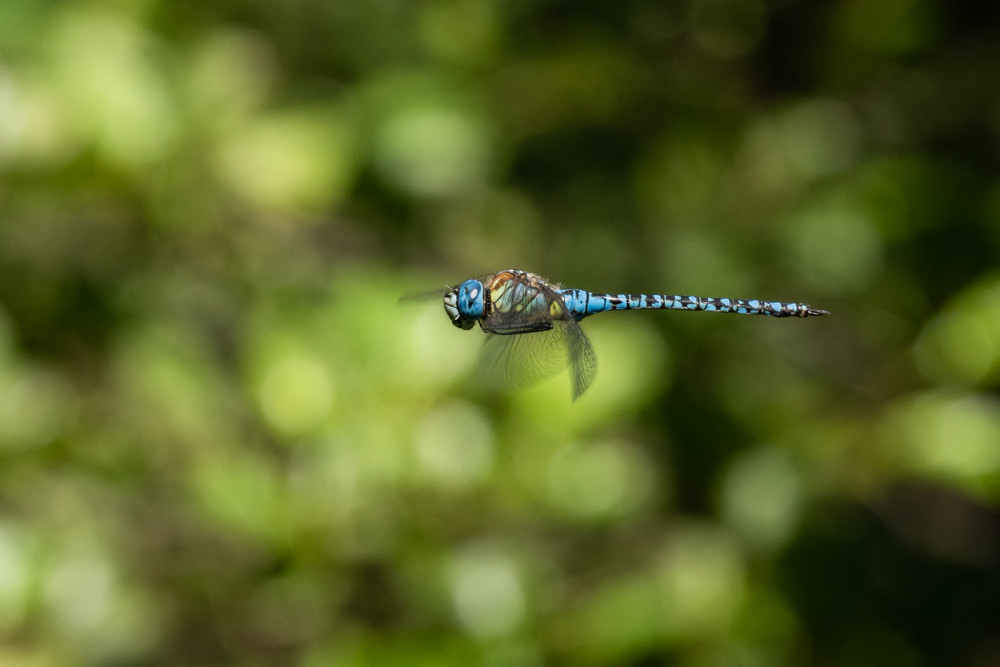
464,304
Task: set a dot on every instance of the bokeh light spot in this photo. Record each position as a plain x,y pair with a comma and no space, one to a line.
702,578
15,576
760,497
105,65
728,28
454,444
79,592
35,407
837,242
951,437
427,139
890,27
603,480
300,159
820,136
296,394
231,73
961,344
460,31
487,590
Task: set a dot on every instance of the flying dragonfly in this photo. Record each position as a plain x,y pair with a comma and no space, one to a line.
534,324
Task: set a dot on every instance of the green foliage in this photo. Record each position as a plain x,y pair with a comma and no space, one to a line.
223,441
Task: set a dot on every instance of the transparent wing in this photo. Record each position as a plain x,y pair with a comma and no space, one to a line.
521,360
434,293
582,360
425,295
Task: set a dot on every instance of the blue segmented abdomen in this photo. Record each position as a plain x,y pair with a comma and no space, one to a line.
582,303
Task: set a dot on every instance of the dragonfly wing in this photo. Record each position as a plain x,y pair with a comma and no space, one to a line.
521,360
582,359
425,295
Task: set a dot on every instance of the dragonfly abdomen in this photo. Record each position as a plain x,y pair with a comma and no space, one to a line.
582,303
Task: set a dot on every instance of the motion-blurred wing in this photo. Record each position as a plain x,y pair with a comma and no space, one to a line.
517,361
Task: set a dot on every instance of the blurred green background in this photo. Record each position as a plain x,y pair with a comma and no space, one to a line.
223,441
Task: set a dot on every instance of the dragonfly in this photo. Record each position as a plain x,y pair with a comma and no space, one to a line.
534,325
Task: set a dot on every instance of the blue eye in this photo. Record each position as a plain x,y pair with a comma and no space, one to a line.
470,299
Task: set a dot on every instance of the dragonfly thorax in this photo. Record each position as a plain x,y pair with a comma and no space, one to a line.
465,304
